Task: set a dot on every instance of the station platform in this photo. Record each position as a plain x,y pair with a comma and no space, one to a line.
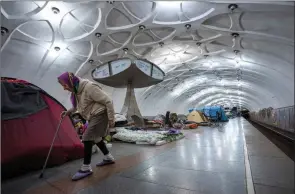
233,159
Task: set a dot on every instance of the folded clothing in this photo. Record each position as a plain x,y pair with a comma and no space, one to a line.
173,131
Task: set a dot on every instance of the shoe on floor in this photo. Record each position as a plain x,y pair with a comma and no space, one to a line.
105,162
81,174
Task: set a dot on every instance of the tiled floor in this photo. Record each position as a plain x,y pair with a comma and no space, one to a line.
207,161
272,171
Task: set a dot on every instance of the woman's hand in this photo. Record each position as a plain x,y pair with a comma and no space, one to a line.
65,113
111,123
68,112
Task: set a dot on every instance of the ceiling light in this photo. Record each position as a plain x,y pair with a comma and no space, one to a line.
191,70
161,44
141,27
111,2
98,34
188,26
206,56
125,50
57,48
232,7
4,31
198,44
235,35
90,61
55,10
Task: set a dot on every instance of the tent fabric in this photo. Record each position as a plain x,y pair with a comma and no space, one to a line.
25,141
20,100
196,109
196,116
205,119
211,112
191,110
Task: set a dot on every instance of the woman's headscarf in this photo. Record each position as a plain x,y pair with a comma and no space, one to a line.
73,82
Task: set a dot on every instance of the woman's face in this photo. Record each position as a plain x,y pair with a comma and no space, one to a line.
65,86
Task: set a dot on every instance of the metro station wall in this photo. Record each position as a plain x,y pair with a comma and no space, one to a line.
282,118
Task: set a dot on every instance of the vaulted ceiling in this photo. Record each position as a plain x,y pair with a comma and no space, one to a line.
212,52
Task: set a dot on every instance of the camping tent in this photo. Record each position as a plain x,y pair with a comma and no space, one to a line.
200,109
197,116
29,119
211,112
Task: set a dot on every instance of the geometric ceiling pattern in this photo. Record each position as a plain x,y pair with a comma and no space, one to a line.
212,53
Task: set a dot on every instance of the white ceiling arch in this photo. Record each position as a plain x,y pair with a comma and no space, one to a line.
44,39
233,102
229,97
204,90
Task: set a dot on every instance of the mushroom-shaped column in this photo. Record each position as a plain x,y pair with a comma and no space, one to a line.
132,74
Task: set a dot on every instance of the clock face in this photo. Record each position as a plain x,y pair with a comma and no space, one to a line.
157,73
144,66
101,72
120,65
108,72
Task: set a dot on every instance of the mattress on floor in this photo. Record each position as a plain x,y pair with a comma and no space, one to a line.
146,137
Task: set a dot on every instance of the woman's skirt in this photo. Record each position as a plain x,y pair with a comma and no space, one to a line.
97,128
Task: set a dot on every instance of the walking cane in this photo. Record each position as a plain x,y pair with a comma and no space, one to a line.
58,127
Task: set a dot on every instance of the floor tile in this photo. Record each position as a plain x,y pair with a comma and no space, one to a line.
207,161
206,165
272,171
204,182
135,170
31,181
122,185
265,150
262,189
209,153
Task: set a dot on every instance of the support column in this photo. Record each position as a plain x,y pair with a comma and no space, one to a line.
130,108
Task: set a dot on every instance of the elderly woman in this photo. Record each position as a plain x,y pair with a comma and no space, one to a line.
97,108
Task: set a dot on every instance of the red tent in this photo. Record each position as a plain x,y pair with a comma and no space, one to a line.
29,119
